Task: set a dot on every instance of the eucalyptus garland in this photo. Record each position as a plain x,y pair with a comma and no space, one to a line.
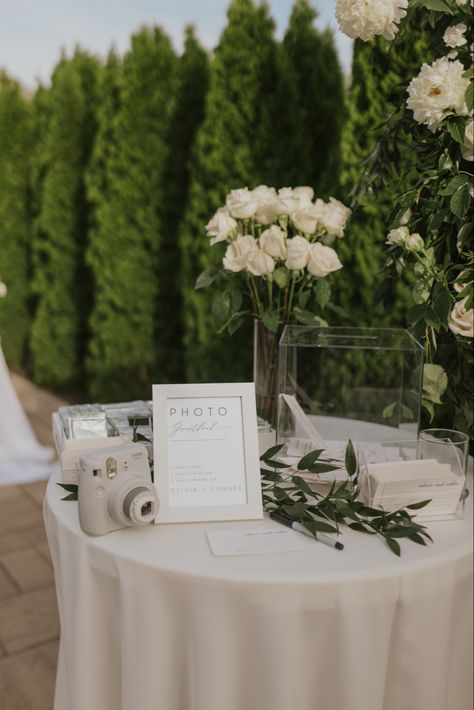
284,490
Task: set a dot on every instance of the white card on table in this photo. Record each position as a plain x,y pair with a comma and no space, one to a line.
253,542
206,452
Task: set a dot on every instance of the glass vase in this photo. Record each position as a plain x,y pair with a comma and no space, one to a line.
265,370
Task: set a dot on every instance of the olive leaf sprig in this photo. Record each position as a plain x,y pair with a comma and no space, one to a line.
287,492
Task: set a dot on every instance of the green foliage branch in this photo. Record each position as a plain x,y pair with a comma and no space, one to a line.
284,490
435,210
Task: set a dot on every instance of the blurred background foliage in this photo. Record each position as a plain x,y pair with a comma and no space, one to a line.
109,175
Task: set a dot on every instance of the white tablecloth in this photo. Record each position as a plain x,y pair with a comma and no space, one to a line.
150,620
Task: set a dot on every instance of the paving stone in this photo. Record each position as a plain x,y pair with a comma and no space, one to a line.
7,587
36,490
7,493
19,513
19,540
28,620
27,679
44,552
28,569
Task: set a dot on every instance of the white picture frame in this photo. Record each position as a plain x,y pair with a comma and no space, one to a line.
206,454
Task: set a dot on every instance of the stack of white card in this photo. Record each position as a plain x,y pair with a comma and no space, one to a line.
396,484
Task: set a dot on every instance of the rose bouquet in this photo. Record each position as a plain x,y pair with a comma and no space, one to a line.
275,262
275,256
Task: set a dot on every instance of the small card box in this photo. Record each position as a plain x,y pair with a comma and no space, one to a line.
396,484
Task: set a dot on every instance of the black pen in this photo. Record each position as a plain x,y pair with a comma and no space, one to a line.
297,527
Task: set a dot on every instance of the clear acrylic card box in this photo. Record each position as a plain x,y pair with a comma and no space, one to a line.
358,383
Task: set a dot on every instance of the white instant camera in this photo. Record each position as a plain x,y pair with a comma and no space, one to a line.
115,489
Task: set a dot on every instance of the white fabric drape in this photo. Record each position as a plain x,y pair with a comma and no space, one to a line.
151,620
22,458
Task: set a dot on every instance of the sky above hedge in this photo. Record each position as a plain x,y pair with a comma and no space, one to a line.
32,33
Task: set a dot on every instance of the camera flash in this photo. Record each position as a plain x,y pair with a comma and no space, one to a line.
111,467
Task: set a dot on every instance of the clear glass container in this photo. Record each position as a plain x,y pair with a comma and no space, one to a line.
358,383
446,490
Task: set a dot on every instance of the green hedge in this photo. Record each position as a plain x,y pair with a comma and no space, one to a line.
311,105
61,281
15,218
126,242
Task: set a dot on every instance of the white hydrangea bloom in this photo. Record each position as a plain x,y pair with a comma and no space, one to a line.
367,18
454,35
437,91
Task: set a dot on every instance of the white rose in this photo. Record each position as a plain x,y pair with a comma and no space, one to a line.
241,203
333,216
297,252
3,289
454,35
322,260
368,18
304,195
267,204
260,264
467,149
264,193
293,199
437,91
460,321
397,236
414,242
307,220
239,253
273,242
220,225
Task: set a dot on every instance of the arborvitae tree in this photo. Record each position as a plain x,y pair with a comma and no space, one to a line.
193,79
15,217
231,151
378,78
60,281
311,111
126,243
104,148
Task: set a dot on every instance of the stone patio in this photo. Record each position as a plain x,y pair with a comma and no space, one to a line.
29,627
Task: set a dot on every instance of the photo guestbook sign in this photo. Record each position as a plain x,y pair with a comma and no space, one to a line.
206,452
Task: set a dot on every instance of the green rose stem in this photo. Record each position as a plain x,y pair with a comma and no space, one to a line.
256,298
292,291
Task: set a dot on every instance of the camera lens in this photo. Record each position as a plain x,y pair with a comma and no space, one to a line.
146,508
139,506
133,501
